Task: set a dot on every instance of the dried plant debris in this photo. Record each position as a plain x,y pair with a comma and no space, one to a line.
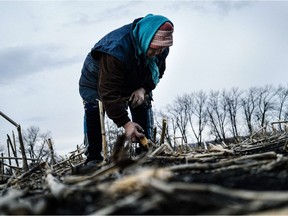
249,177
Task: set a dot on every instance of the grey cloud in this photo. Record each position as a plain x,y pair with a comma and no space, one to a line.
227,6
103,14
17,62
220,7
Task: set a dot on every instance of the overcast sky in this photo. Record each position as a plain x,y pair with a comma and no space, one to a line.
217,44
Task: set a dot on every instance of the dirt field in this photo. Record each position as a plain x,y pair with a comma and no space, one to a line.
245,178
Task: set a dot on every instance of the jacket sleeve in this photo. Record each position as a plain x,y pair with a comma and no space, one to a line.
111,79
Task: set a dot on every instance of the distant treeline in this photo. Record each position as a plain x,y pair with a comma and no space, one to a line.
224,114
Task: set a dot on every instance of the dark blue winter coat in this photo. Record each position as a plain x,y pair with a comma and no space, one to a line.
134,73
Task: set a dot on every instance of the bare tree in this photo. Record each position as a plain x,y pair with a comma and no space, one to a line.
282,102
164,115
35,142
232,101
30,138
248,103
199,111
217,114
266,104
178,116
181,110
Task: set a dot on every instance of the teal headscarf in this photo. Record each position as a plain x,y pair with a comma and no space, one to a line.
143,33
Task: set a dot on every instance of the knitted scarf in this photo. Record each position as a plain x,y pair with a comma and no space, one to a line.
143,33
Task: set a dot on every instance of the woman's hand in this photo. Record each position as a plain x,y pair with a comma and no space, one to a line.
137,97
133,131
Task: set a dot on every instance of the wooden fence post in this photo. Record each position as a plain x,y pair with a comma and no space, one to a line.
13,148
24,158
164,125
9,155
80,155
49,142
2,167
25,164
14,143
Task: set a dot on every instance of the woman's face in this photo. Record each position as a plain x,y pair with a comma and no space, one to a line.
153,52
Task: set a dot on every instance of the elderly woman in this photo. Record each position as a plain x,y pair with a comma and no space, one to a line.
126,63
